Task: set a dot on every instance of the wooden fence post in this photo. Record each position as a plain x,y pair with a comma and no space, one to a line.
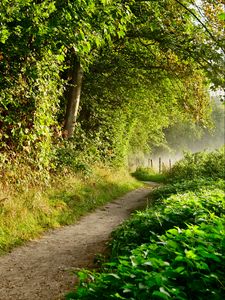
170,164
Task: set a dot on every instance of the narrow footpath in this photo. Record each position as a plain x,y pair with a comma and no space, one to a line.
43,269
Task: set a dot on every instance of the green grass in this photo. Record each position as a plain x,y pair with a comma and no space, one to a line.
25,215
147,174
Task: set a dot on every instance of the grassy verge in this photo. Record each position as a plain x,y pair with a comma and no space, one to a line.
147,174
25,215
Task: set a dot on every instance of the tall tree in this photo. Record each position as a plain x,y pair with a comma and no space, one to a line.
158,43
73,97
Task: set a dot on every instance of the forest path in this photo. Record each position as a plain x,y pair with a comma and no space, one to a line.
42,269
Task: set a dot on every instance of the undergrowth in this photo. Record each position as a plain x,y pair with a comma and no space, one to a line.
200,165
172,250
181,264
178,210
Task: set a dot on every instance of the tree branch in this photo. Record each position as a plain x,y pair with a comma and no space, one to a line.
203,25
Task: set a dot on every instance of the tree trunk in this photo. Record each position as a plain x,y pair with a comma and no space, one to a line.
73,98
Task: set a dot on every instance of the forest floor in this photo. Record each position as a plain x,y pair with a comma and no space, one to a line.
43,269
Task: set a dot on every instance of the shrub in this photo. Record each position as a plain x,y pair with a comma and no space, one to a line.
174,249
177,210
196,184
200,164
182,264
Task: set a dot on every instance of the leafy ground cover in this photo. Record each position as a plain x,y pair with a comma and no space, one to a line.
173,250
182,186
175,211
26,214
181,264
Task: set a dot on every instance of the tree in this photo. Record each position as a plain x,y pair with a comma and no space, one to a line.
73,97
134,49
87,26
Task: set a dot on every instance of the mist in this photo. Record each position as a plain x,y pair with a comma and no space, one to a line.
185,137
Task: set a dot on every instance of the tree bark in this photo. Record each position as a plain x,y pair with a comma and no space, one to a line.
73,98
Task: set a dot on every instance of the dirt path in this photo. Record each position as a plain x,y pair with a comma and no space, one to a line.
42,269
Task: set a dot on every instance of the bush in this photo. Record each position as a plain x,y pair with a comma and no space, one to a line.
197,184
177,210
172,250
182,264
200,164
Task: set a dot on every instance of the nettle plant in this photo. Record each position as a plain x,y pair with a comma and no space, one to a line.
177,210
181,264
173,250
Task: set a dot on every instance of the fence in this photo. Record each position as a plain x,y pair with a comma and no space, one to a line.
158,164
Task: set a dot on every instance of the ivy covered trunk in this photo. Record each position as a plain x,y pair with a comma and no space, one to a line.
73,98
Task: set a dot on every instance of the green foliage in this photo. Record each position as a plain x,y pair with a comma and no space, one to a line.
183,186
182,264
200,164
156,53
68,155
177,210
36,38
172,250
151,62
147,174
112,113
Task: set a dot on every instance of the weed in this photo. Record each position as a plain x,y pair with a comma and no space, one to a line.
172,250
